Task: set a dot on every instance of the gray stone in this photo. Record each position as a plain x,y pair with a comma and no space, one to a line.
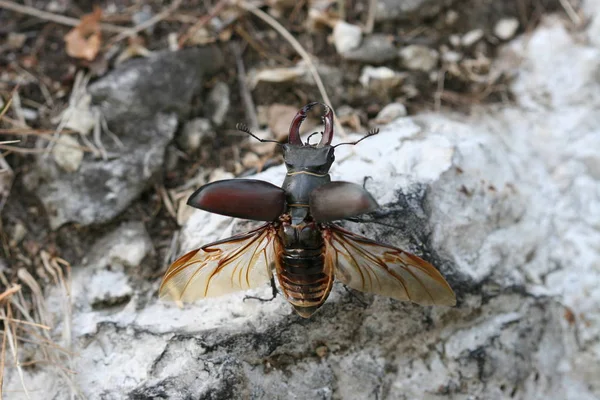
420,58
141,101
374,49
164,83
390,10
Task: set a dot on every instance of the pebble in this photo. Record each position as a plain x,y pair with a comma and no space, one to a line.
454,40
346,36
472,37
506,28
419,58
374,49
217,103
382,75
194,132
250,160
67,153
391,112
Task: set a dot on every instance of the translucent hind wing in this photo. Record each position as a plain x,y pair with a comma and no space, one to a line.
369,266
238,263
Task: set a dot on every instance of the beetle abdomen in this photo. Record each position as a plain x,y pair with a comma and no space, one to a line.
303,278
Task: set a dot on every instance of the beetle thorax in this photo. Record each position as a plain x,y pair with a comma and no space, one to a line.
308,158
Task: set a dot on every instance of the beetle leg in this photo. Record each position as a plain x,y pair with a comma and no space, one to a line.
273,287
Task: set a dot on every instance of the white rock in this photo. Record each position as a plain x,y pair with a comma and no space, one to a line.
454,40
67,153
420,58
382,75
391,112
217,103
506,28
451,56
346,36
472,37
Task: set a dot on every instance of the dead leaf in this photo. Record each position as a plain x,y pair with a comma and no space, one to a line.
85,39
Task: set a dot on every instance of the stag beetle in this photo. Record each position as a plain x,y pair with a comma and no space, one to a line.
299,244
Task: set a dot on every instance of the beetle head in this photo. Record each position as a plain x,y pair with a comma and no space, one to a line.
304,156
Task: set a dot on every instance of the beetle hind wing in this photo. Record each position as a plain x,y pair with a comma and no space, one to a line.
238,263
369,266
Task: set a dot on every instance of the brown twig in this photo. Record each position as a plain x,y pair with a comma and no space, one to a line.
244,91
370,23
48,16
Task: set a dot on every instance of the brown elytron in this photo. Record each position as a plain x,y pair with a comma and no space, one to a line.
299,243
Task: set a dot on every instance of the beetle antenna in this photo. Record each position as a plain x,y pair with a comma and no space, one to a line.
311,135
372,132
242,127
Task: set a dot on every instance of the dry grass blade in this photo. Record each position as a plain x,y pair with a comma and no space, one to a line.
14,347
5,107
570,10
5,296
298,47
10,292
54,353
19,321
2,362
